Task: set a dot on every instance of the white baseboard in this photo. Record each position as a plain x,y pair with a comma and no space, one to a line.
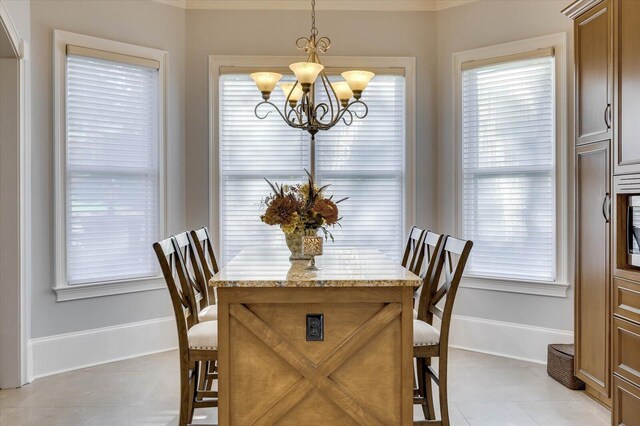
518,341
72,351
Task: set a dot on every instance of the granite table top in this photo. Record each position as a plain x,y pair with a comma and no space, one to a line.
340,267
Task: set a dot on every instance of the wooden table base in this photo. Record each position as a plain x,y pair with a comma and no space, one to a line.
361,373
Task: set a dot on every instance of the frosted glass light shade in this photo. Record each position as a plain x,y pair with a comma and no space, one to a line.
306,72
358,80
266,81
296,95
343,90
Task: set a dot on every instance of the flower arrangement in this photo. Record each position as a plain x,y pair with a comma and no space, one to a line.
301,208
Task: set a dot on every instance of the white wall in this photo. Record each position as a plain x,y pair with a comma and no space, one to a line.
143,23
471,26
274,33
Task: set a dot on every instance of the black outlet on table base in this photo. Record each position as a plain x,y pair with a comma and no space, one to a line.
315,327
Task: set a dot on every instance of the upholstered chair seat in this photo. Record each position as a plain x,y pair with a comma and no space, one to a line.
203,336
424,334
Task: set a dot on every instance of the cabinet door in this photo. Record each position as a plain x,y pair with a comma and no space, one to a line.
627,90
593,75
626,408
593,266
626,350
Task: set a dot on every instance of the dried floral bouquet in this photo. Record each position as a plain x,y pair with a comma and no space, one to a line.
301,208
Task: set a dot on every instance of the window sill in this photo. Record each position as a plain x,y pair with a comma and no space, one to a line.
87,291
538,288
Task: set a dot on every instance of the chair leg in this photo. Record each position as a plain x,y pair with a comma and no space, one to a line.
211,374
202,376
421,385
186,397
442,388
193,389
430,414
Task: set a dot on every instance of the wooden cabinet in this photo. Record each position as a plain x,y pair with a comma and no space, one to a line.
593,75
626,411
627,86
607,316
593,267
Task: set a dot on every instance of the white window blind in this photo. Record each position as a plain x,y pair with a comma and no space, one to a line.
364,161
508,143
112,170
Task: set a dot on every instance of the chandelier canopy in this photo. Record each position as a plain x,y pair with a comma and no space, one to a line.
300,110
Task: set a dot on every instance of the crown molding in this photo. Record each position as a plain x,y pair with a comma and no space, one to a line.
346,5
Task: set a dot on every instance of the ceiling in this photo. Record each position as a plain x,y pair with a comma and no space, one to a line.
362,5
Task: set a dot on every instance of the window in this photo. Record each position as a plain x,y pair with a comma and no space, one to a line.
508,178
111,181
365,161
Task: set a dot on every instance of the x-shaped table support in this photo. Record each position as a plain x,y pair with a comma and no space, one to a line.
315,376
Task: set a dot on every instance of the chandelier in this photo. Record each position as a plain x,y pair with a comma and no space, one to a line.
300,110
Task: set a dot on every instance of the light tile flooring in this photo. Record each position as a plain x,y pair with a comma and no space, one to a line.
484,390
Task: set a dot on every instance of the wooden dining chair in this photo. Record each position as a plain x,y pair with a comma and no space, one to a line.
188,251
437,300
204,247
197,341
413,250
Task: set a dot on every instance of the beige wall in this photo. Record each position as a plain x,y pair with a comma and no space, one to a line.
190,37
143,23
476,25
274,33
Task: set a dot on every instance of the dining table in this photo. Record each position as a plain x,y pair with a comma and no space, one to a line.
298,346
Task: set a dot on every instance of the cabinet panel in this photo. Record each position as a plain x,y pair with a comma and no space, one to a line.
626,350
627,63
594,71
626,410
593,266
626,299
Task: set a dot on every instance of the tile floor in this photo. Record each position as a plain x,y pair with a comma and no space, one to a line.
484,390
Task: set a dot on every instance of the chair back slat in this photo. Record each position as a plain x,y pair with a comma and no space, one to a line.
204,248
195,275
174,272
413,252
432,248
436,311
445,283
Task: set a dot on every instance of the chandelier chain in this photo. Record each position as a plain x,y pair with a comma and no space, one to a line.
314,30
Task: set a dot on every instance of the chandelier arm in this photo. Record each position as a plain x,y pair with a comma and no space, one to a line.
324,109
348,121
355,112
305,110
286,103
352,113
327,85
262,117
291,115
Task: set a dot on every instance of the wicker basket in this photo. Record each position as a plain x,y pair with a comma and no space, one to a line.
560,366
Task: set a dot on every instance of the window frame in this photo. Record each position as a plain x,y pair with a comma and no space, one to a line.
218,62
61,287
558,42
